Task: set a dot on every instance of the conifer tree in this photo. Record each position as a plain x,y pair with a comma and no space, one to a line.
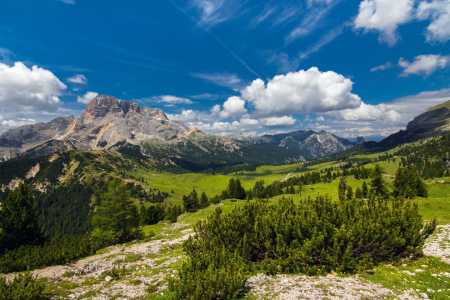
191,202
19,221
358,193
342,189
364,190
349,193
116,217
378,186
203,200
239,191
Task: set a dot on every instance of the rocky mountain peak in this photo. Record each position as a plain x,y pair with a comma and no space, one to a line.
101,105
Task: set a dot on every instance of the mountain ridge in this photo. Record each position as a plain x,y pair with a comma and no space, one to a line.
110,123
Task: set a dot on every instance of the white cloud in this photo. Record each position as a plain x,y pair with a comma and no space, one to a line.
233,107
68,1
215,109
87,97
206,96
213,12
17,123
171,100
320,119
275,122
387,117
222,79
78,78
367,112
424,64
311,21
34,89
308,91
439,12
384,16
386,66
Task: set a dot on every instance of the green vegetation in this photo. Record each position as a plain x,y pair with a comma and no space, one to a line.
19,223
116,218
22,287
315,237
61,250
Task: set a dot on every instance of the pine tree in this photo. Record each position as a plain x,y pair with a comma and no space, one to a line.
116,216
191,202
203,200
19,221
349,193
358,193
378,186
342,188
239,191
364,190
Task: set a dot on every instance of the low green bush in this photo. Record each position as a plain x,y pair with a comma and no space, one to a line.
314,237
63,249
22,287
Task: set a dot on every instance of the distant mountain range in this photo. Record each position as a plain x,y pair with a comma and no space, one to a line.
434,122
109,123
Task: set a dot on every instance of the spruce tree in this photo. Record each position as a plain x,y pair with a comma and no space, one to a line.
203,200
116,217
19,221
358,193
364,190
378,186
191,202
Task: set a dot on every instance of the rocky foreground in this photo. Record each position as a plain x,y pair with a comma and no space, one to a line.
134,271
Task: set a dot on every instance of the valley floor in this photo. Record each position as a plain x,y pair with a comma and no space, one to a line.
146,265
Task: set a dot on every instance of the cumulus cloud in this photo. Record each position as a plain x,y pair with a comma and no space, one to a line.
384,16
17,123
68,1
386,66
275,122
34,89
78,78
393,114
86,98
233,107
308,91
439,13
320,119
171,100
424,64
367,112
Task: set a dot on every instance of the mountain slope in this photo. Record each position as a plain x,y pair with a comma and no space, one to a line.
312,144
109,123
434,122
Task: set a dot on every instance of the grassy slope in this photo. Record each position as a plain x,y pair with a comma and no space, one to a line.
437,204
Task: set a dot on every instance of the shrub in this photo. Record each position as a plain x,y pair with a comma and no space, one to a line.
22,287
61,250
314,237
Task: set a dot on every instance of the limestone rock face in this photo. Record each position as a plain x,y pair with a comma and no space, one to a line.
105,122
313,144
15,141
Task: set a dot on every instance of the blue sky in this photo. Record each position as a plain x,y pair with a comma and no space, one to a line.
349,67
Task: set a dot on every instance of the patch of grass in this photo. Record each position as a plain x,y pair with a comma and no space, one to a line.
401,278
131,258
88,295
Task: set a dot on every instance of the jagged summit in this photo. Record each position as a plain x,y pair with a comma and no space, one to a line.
114,124
105,122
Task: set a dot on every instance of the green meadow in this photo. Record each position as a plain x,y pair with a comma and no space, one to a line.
436,205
